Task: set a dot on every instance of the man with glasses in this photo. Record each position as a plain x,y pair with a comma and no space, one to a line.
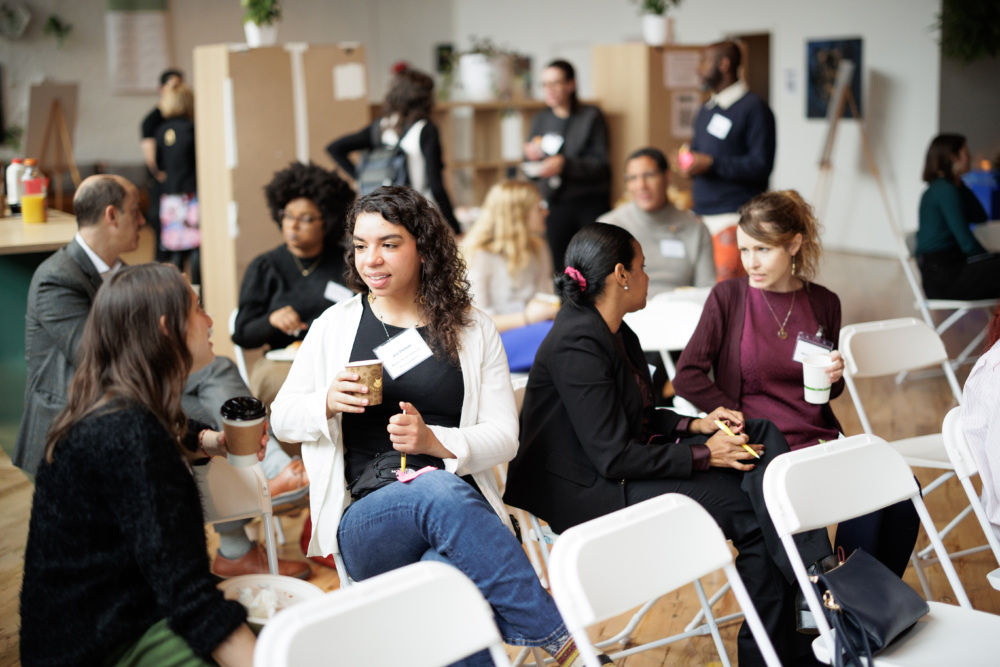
677,246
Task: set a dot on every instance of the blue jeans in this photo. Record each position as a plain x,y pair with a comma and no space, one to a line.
438,516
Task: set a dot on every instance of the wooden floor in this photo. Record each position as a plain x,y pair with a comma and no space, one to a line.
869,289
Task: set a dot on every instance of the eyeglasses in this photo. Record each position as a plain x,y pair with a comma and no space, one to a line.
306,219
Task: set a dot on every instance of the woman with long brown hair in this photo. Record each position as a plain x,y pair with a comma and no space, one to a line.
744,354
406,122
116,567
446,404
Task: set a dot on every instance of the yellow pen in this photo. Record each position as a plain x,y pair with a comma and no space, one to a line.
728,431
402,461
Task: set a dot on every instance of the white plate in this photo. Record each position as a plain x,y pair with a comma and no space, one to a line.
531,169
284,354
290,590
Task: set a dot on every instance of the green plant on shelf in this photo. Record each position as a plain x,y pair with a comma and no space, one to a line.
657,7
56,27
261,12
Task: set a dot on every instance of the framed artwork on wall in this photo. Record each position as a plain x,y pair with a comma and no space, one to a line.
823,58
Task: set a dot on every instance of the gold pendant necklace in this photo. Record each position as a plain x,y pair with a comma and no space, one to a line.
304,270
782,334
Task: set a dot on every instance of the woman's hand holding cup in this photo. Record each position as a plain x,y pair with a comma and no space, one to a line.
835,370
214,443
346,394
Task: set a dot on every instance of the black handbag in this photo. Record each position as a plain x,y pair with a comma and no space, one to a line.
382,469
868,607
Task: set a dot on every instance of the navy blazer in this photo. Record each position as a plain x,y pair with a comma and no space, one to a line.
59,300
582,424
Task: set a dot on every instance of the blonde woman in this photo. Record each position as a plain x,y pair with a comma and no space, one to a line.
508,258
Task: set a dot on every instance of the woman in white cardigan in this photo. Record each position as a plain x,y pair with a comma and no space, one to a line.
446,404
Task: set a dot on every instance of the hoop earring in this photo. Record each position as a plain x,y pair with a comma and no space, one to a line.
423,300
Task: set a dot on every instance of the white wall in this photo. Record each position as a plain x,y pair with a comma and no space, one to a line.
901,66
391,30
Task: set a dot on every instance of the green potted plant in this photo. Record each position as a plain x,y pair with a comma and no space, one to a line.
656,28
260,19
487,70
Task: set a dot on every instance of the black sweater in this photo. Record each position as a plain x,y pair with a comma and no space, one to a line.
272,281
116,543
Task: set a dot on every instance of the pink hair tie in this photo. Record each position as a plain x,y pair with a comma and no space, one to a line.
577,276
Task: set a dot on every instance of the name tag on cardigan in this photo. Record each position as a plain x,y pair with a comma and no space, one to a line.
402,352
719,126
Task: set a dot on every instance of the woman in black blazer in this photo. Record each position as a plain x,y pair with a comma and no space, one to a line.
592,441
569,142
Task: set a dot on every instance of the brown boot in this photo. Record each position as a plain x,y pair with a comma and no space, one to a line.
255,562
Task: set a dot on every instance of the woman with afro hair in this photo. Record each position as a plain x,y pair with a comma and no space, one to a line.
285,289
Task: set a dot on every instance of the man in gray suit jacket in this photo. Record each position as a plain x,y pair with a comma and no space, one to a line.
59,300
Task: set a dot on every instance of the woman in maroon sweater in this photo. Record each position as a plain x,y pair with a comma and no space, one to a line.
748,334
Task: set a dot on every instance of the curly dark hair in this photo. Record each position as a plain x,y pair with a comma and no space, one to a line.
444,290
331,194
411,95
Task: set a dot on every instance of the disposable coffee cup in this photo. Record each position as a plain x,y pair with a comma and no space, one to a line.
243,424
369,374
815,379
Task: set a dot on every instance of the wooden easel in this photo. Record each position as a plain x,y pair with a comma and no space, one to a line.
56,125
843,97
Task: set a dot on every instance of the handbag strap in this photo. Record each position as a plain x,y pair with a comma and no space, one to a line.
843,648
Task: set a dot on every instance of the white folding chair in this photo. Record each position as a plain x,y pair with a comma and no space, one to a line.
229,493
906,245
665,325
871,474
423,615
965,467
889,347
241,363
648,550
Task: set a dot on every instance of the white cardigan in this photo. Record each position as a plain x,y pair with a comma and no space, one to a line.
486,436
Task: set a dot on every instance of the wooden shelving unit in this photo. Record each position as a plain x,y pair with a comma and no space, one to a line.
481,142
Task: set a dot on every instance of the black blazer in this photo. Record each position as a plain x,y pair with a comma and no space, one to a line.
586,172
581,425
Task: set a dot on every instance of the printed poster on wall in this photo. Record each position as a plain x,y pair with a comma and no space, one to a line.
683,111
823,58
137,45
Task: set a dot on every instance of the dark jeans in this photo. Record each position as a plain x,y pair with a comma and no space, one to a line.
950,275
735,500
566,218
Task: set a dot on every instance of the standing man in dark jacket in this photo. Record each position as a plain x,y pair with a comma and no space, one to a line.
732,153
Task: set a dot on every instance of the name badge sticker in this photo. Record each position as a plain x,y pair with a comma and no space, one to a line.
402,352
719,126
336,292
672,248
551,143
806,345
